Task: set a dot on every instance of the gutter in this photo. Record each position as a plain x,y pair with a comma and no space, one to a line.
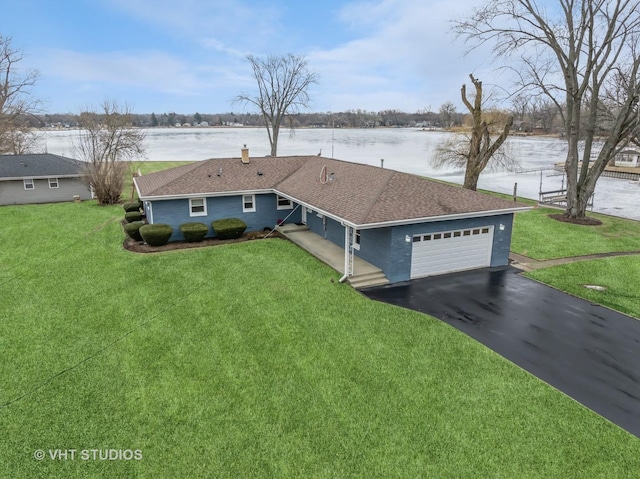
201,195
16,178
431,219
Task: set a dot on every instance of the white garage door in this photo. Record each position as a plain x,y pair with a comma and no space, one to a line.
448,251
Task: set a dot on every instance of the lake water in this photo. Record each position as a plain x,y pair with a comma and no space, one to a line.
403,149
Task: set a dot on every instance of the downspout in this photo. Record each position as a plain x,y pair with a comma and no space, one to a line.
346,255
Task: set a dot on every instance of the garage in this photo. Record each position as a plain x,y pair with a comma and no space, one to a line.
449,251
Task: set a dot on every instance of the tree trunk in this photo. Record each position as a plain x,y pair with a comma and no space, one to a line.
471,176
480,147
274,140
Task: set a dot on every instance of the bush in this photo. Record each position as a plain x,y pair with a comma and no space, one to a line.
132,216
133,230
230,228
156,234
131,207
194,232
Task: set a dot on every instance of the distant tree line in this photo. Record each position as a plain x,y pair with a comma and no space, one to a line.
347,119
530,117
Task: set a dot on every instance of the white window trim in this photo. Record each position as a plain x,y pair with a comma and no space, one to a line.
253,203
357,237
57,181
202,213
288,206
29,181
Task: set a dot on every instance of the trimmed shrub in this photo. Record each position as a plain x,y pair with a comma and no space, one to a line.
132,216
131,207
133,230
194,232
230,228
156,234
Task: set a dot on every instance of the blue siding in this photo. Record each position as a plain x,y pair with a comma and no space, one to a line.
315,223
375,247
176,212
328,228
399,268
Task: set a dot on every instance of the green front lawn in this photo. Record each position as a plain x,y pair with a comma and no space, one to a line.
619,275
251,360
537,236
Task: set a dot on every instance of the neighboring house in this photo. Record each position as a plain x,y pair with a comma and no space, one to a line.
40,178
407,226
629,157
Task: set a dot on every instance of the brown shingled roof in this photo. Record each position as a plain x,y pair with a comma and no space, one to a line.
359,194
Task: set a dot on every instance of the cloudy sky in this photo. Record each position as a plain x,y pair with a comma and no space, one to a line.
188,56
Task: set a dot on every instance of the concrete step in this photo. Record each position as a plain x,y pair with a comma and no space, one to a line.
368,280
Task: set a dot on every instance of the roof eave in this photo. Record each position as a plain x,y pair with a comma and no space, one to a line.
40,177
210,194
431,219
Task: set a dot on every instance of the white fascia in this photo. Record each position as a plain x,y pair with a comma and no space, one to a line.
431,219
20,178
203,195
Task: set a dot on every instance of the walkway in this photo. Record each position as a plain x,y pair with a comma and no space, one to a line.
529,264
364,274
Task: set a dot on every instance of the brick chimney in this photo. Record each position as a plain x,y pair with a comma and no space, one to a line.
245,155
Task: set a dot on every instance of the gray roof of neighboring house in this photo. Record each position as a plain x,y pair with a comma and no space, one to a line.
38,165
359,194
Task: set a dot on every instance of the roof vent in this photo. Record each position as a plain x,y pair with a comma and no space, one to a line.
245,155
220,171
260,173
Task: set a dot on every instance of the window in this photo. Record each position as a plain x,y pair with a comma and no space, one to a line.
456,234
485,231
248,203
476,232
417,239
28,184
284,203
437,236
467,233
53,182
197,207
447,235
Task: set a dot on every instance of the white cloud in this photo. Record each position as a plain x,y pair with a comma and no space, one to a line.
226,25
406,57
154,70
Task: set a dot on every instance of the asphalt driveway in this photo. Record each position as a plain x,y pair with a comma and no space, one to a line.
585,350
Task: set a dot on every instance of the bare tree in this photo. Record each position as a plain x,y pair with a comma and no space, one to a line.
447,112
16,103
283,88
108,142
520,106
475,151
543,112
584,55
